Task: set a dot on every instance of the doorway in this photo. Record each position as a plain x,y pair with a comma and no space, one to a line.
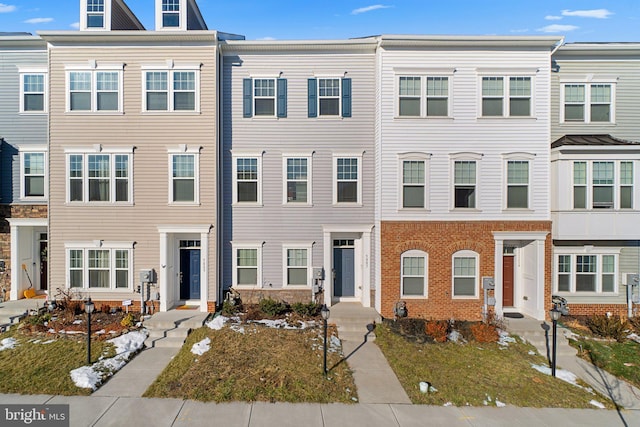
507,280
189,269
44,265
344,283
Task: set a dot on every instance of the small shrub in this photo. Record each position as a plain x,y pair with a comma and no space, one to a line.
230,309
105,308
39,319
272,307
634,322
411,327
483,332
128,320
437,329
305,309
608,327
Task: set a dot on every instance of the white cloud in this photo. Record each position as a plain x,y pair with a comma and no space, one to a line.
593,13
553,18
75,25
38,20
267,38
523,30
556,28
369,9
6,8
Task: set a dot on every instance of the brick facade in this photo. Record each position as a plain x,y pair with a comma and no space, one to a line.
440,240
593,309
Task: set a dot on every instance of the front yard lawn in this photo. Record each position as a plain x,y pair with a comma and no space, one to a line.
620,359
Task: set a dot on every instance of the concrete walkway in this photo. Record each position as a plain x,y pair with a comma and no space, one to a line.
118,411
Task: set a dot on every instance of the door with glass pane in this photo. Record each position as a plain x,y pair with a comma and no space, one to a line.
189,269
344,268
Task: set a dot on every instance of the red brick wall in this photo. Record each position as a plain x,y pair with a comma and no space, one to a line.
441,239
592,309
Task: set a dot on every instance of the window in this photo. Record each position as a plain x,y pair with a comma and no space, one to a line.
496,104
347,184
99,178
171,90
247,265
588,103
184,172
464,184
518,184
33,175
105,267
465,274
603,185
95,13
297,185
33,99
297,265
94,91
247,179
413,183
329,97
587,272
414,102
264,97
414,274
170,13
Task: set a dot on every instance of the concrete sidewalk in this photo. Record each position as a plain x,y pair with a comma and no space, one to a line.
118,411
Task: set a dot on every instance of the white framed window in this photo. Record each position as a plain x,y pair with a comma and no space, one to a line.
410,96
592,102
185,176
100,177
329,90
296,264
33,173
264,97
414,183
247,265
297,180
603,184
414,274
247,178
584,271
95,88
33,90
347,172
99,266
170,13
506,96
517,184
465,274
95,13
423,96
464,184
175,88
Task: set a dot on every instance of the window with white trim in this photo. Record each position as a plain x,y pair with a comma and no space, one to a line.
264,97
33,174
95,13
414,274
329,97
603,184
247,179
297,265
518,184
94,90
465,274
172,90
297,171
347,185
588,103
184,178
464,182
99,268
410,96
33,97
583,273
99,178
413,184
508,96
432,102
247,265
170,13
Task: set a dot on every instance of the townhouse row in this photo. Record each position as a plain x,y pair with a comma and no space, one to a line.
452,173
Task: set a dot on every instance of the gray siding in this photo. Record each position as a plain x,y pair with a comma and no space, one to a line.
120,20
275,223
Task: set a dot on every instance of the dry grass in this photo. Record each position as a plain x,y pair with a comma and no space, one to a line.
472,373
263,364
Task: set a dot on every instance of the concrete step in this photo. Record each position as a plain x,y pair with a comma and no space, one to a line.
171,342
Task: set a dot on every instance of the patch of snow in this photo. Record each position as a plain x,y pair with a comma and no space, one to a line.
500,404
77,322
86,377
532,353
48,342
634,337
217,323
505,339
448,404
455,336
335,346
201,347
8,343
35,341
596,404
563,374
238,328
51,331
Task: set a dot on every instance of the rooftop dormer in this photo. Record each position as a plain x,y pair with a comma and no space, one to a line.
107,15
178,15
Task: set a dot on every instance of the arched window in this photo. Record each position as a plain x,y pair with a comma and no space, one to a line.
413,272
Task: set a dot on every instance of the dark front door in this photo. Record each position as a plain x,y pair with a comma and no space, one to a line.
189,274
44,254
343,265
507,281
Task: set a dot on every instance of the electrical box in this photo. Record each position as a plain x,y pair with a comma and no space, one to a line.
147,276
316,289
633,279
2,266
318,273
488,283
491,301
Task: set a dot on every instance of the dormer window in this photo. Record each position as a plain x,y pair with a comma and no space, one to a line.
95,13
170,13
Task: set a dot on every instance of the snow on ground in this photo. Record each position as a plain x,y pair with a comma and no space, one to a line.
126,345
8,343
596,404
505,339
500,404
217,323
201,347
563,374
634,337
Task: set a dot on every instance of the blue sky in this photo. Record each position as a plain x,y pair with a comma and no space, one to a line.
577,20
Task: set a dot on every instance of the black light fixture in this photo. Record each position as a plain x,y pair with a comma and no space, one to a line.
88,308
325,312
555,315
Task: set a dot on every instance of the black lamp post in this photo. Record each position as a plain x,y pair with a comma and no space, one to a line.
88,308
555,315
324,311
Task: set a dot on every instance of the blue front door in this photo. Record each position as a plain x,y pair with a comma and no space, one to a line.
343,266
189,274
